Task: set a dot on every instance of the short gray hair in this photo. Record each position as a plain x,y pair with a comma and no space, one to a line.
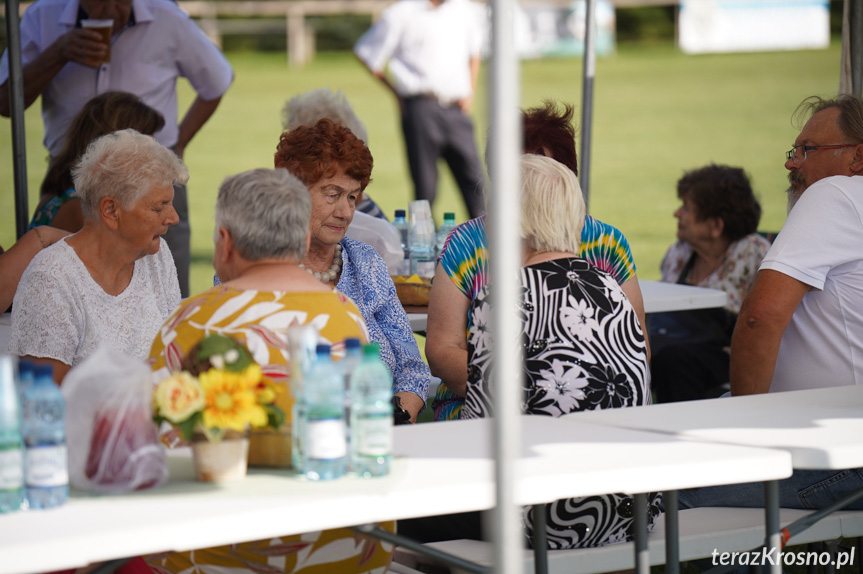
552,206
307,108
266,212
125,165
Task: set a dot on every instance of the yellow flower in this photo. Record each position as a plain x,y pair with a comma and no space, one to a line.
230,399
178,397
266,391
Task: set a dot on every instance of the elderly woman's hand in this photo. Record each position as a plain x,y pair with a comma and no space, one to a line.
411,403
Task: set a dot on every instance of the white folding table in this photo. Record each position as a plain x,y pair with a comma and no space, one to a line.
658,296
440,468
822,429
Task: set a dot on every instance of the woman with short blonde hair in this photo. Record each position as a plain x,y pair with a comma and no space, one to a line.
583,345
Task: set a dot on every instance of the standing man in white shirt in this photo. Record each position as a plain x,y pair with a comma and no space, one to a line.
801,326
153,44
431,49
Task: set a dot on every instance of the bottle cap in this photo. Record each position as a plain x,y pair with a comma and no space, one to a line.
372,350
44,371
352,343
400,212
322,349
449,216
26,366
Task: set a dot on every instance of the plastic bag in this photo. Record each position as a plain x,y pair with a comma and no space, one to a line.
112,440
380,234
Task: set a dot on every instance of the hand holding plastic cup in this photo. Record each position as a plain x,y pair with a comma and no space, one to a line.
106,29
420,213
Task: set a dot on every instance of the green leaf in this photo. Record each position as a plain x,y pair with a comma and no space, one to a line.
275,416
187,427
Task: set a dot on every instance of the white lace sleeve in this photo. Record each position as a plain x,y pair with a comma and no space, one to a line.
47,317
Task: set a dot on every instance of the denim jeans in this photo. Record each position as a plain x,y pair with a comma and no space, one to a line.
805,489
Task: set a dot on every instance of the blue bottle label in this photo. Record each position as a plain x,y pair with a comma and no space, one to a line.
46,466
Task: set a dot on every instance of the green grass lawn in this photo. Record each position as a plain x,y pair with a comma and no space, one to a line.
657,113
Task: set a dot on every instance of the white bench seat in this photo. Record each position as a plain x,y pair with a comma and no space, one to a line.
702,530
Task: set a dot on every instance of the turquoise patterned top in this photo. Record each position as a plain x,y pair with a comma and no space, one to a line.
45,214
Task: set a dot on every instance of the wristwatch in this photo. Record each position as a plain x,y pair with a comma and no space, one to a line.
400,415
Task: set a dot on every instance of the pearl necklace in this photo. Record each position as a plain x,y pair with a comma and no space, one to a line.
332,272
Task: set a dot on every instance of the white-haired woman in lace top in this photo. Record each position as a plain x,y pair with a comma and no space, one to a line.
114,282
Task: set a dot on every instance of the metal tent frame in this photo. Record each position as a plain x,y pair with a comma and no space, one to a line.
504,216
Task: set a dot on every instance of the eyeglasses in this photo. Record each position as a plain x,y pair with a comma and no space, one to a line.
794,153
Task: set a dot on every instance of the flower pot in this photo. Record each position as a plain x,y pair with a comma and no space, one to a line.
222,460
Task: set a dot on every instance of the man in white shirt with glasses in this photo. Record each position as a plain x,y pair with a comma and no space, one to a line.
801,326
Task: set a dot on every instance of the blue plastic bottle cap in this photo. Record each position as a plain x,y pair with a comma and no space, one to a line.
400,212
44,370
352,343
322,349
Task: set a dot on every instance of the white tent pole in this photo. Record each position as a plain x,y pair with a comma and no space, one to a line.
505,244
851,64
16,105
587,97
856,32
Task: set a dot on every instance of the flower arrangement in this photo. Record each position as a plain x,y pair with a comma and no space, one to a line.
220,389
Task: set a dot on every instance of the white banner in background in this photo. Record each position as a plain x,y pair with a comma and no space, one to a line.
753,25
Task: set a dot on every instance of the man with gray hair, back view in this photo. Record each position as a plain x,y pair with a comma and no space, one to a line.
801,326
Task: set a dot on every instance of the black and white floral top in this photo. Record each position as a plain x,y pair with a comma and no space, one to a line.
583,349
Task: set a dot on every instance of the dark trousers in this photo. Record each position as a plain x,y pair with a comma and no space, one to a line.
178,239
432,131
465,525
688,371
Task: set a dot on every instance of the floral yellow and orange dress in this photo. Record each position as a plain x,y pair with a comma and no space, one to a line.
259,319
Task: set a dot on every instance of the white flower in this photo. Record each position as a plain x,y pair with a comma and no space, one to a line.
615,293
578,319
563,384
480,335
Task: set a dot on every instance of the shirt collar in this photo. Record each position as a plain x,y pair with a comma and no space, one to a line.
74,13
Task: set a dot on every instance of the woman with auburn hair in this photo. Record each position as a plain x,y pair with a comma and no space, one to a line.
336,166
59,205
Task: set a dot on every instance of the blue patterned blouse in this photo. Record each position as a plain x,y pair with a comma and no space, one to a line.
367,282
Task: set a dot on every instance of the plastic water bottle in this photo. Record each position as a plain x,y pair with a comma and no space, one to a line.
371,416
422,245
401,224
302,344
325,454
46,472
444,230
26,372
11,446
353,357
